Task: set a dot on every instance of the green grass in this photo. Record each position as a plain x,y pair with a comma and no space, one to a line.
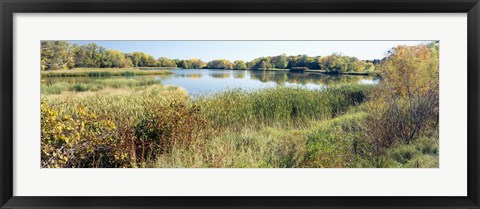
332,143
284,106
102,72
94,85
269,128
421,153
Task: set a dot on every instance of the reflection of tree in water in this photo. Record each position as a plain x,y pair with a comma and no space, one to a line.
219,75
239,74
305,78
267,76
189,75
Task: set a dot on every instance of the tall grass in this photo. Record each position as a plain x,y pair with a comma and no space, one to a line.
332,143
94,85
161,126
281,105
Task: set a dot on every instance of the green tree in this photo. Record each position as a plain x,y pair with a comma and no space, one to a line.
303,61
136,59
280,61
261,63
239,65
89,55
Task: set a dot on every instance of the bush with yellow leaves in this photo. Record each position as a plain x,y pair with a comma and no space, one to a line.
79,140
405,106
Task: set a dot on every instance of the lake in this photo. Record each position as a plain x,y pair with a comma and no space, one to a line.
206,81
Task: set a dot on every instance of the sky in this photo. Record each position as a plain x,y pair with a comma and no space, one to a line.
248,50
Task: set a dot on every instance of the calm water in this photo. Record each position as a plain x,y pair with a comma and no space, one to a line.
204,81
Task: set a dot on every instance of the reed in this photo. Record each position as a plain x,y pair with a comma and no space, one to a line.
162,126
102,72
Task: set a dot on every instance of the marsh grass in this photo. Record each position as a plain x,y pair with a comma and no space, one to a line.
162,126
280,106
94,85
102,72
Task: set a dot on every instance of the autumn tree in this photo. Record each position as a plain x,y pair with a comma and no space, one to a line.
239,65
197,63
62,55
140,59
56,55
116,59
303,61
369,66
406,103
192,63
261,63
166,62
338,63
89,55
184,64
220,64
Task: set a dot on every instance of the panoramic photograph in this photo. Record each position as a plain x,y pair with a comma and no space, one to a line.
239,104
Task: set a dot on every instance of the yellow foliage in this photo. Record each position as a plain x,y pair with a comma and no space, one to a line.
411,70
82,140
406,103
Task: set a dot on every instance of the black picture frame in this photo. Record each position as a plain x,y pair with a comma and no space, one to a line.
10,7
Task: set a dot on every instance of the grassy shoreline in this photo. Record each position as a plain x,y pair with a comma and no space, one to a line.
99,72
95,85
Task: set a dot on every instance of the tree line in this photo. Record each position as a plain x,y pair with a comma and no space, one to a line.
60,55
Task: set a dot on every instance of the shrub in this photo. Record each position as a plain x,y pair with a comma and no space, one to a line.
83,140
406,103
176,125
80,87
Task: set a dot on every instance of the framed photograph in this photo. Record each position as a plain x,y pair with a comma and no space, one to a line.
239,104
